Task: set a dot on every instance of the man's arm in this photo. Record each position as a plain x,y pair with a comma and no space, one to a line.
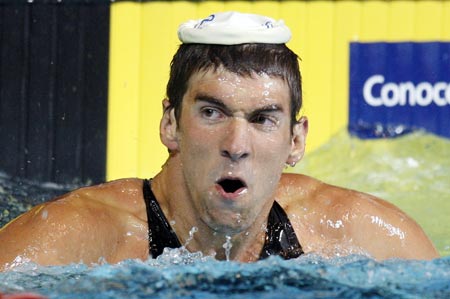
68,230
387,232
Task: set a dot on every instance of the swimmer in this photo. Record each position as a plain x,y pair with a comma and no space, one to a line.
230,124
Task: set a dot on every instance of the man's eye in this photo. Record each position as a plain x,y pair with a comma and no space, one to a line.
211,113
265,120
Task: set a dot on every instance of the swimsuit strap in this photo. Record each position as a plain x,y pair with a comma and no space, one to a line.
280,237
160,233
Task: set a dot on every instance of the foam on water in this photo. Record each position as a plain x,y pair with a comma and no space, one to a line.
180,274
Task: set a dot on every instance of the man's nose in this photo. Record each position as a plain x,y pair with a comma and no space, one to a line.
236,141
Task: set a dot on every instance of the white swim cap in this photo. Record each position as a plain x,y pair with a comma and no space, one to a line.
233,28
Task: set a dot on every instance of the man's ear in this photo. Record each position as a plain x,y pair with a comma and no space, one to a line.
168,127
298,141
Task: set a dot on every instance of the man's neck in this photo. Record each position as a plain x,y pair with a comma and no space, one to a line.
172,195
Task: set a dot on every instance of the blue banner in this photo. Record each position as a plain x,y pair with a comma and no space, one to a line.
399,87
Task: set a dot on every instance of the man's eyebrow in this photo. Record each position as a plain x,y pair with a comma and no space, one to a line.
269,108
210,99
213,101
217,102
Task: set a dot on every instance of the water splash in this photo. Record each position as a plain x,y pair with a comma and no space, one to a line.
191,236
177,256
227,246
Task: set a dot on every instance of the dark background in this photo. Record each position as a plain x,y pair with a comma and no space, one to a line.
53,90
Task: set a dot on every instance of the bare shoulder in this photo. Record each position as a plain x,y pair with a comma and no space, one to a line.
315,194
124,194
81,226
325,214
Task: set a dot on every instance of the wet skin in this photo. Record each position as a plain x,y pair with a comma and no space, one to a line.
232,131
235,131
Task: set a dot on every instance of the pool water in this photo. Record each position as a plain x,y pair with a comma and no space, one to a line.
179,274
412,171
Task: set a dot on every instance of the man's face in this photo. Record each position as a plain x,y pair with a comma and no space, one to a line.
233,138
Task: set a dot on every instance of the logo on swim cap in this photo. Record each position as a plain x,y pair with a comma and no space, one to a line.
232,28
208,19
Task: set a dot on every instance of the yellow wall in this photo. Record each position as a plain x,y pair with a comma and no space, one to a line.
143,40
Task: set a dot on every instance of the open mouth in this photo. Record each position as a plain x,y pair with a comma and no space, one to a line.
231,185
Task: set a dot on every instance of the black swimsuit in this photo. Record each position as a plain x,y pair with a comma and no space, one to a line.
280,237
